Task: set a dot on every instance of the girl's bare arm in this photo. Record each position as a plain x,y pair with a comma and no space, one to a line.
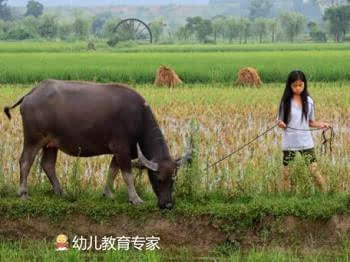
318,124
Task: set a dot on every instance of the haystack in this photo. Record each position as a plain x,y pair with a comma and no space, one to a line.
248,77
167,76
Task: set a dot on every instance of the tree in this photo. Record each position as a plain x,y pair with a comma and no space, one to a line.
65,30
260,28
315,33
157,28
31,24
293,24
19,32
259,8
48,26
191,24
204,29
231,28
81,27
330,3
5,12
109,27
34,8
182,33
201,27
5,27
98,22
272,25
244,28
218,24
339,21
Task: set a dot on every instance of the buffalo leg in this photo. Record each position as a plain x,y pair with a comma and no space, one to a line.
112,172
129,181
122,155
26,162
48,163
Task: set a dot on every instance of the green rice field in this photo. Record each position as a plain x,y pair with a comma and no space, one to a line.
219,65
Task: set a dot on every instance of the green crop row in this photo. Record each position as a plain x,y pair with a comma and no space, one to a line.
81,46
218,67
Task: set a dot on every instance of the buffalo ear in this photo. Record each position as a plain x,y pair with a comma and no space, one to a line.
186,159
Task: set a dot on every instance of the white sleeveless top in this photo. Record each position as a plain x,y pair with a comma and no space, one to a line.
294,140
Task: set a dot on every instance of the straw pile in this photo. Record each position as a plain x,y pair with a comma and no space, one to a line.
248,77
167,76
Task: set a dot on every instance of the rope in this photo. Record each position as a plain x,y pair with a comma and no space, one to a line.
240,148
324,143
325,139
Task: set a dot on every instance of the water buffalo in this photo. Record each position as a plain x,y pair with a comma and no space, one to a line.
88,119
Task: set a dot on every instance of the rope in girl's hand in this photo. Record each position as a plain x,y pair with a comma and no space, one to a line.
324,143
326,140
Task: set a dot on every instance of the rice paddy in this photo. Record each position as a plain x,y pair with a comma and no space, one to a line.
226,118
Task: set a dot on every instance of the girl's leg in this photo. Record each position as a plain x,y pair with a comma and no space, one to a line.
286,184
320,181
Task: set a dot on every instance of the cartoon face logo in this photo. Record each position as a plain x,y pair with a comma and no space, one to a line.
61,242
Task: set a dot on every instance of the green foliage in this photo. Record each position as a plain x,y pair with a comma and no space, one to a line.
188,184
48,26
34,8
5,11
98,22
260,27
20,33
113,41
199,26
339,21
293,24
65,31
157,28
81,27
260,8
218,24
244,29
231,28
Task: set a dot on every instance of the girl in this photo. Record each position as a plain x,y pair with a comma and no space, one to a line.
296,116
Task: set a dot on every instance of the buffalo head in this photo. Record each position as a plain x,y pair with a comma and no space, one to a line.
162,174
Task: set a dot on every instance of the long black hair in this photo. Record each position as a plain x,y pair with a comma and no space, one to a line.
285,105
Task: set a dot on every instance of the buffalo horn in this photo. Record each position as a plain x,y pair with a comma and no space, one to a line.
147,163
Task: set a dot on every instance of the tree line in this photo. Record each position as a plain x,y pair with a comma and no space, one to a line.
258,26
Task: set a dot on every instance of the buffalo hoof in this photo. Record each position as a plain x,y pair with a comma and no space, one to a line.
22,193
108,195
136,201
166,206
24,196
59,192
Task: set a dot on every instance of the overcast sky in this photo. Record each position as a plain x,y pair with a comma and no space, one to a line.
107,2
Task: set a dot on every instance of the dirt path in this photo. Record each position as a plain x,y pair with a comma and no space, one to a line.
195,233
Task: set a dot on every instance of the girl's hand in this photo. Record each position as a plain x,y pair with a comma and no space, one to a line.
324,125
281,124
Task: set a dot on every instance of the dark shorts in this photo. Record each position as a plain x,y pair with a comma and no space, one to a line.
307,154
